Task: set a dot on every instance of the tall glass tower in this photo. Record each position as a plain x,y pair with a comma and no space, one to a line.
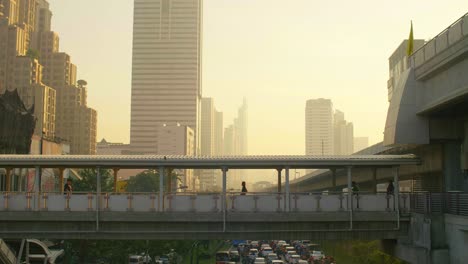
166,76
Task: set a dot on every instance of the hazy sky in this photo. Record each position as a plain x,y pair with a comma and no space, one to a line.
277,53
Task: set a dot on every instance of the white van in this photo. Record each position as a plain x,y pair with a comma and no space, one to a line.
135,259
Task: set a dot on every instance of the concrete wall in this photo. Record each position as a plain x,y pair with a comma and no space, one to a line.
426,243
456,230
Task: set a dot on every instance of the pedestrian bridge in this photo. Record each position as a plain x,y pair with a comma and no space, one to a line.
223,215
186,216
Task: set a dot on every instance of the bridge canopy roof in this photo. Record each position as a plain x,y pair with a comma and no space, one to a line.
205,162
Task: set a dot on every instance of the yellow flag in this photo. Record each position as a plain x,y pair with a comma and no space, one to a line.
410,47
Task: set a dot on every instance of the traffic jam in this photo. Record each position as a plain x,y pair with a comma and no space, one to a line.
273,252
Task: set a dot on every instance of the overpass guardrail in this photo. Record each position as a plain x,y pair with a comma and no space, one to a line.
455,203
201,202
449,36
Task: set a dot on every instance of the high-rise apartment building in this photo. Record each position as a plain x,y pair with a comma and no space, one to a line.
319,127
218,133
207,131
166,76
179,140
241,126
31,63
343,134
20,68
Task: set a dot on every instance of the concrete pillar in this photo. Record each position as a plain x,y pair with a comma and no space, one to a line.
279,180
223,199
116,172
350,189
333,171
98,195
161,188
37,182
60,188
350,197
396,184
374,180
169,181
8,179
98,183
287,194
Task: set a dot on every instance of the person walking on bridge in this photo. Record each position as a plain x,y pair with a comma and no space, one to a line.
67,189
244,189
390,188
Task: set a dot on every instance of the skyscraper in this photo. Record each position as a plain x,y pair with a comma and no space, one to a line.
166,77
343,135
319,127
31,63
207,127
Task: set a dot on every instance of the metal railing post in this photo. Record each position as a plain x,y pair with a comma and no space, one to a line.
287,192
350,196
98,195
161,189
223,198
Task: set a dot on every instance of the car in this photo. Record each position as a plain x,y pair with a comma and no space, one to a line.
264,246
289,254
317,255
260,261
266,251
277,261
164,259
234,256
281,243
253,254
271,257
254,244
301,261
294,259
135,259
222,257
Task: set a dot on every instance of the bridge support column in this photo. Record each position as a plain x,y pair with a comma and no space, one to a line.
223,198
98,195
374,180
8,179
60,187
279,180
287,194
333,171
116,172
161,189
37,187
350,197
396,195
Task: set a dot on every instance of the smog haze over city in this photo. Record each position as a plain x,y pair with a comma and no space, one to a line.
277,54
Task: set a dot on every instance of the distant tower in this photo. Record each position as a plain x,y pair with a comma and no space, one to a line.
319,127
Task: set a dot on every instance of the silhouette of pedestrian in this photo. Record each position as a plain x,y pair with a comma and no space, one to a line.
244,189
390,188
67,189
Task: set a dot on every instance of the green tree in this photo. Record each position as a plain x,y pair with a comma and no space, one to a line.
148,181
89,180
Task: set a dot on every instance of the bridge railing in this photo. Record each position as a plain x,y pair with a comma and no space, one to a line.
205,202
449,36
448,202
